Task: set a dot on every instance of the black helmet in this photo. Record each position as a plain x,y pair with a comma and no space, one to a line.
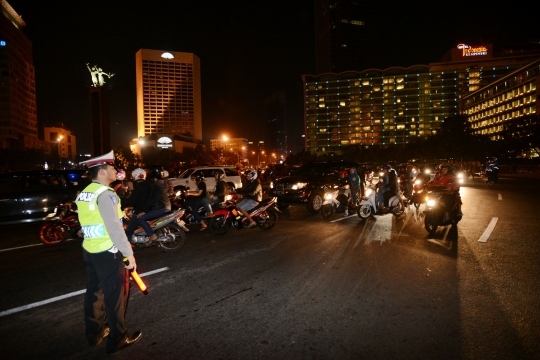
156,172
448,166
198,176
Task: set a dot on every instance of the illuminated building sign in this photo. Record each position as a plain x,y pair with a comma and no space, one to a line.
473,51
167,55
164,142
2,43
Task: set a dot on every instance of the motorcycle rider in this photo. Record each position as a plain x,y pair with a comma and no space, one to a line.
195,198
451,197
355,183
158,205
344,193
253,195
383,186
118,186
138,199
220,192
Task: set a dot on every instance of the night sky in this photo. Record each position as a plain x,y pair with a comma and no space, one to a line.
248,49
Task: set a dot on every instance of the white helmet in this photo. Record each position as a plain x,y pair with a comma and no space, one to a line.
165,174
138,174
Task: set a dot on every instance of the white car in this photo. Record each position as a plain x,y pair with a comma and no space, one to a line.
231,177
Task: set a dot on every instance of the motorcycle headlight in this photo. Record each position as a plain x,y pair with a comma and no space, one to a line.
271,184
299,186
417,182
460,176
229,197
178,193
427,171
328,196
431,202
367,193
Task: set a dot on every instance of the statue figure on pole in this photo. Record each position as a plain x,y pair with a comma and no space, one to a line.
97,75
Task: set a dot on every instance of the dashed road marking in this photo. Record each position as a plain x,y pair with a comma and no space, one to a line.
65,296
500,196
488,230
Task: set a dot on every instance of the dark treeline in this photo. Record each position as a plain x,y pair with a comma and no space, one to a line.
453,141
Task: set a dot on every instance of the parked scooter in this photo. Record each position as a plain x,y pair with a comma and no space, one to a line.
337,200
264,214
368,205
63,222
436,213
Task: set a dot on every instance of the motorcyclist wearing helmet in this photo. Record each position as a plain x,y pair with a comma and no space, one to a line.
157,205
451,197
141,192
383,186
252,195
219,193
195,198
118,186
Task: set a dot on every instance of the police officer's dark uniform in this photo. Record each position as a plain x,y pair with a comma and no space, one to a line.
104,247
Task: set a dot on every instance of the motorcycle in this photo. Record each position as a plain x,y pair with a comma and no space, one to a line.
63,222
169,231
368,206
418,196
436,213
264,214
187,217
337,200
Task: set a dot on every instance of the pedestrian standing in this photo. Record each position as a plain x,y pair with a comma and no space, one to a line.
104,247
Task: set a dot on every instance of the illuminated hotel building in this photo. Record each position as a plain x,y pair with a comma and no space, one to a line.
18,114
168,98
504,103
397,105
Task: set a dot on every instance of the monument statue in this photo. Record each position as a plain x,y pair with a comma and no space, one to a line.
97,75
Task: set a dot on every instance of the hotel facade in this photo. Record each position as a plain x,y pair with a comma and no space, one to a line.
168,100
398,105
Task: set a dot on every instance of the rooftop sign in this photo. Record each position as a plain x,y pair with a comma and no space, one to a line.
473,51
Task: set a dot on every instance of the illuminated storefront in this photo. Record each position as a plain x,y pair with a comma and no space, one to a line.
396,105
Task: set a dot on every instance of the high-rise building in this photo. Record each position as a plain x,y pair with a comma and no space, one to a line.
18,114
344,36
275,112
168,94
397,105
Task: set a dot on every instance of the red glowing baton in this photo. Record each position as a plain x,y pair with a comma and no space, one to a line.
137,278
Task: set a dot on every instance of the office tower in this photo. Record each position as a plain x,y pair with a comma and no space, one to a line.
18,115
275,112
345,36
168,94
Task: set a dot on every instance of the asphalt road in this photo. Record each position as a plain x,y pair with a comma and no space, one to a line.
308,289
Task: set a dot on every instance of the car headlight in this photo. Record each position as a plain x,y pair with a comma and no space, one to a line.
299,186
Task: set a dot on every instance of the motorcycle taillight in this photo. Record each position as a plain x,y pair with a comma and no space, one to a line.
234,212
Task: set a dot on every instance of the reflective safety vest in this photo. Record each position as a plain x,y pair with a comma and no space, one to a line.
96,236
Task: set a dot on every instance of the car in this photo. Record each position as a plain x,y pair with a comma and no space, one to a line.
28,196
232,178
306,184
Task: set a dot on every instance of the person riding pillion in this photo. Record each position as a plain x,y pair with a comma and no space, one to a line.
252,195
104,247
218,195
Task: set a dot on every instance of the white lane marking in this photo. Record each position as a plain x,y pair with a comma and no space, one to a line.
343,218
61,297
26,246
500,196
488,230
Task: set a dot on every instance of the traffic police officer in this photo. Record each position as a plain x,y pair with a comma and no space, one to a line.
104,247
